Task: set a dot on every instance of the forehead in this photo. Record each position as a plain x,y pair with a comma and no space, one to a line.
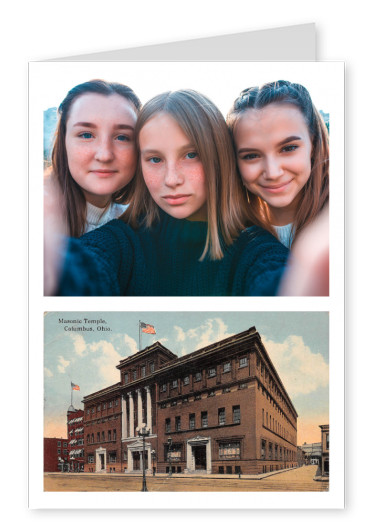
162,127
92,106
275,117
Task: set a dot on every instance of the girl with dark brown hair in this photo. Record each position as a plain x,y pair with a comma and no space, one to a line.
94,156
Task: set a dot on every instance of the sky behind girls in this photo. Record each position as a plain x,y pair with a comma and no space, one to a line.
297,343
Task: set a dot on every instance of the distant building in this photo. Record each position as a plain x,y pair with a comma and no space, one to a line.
55,454
325,449
222,409
311,453
75,429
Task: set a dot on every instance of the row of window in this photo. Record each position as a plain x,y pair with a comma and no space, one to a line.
198,396
274,404
276,452
270,383
269,422
103,407
210,373
221,419
111,437
59,444
138,372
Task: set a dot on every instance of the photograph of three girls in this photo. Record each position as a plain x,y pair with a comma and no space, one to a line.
170,198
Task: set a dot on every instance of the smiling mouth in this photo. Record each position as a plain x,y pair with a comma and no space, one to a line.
104,173
178,199
276,188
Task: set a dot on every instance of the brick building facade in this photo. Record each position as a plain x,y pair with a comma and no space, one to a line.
221,409
75,429
55,451
325,449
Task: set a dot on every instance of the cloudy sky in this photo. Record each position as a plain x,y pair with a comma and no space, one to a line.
297,343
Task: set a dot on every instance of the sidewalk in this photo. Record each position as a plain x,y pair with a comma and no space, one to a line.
175,476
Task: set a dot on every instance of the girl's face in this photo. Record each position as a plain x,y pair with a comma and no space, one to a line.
100,145
172,169
273,149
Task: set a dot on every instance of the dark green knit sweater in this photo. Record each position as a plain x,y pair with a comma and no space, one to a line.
164,260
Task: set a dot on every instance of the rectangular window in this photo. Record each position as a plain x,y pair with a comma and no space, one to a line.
243,362
112,457
327,441
163,388
167,425
229,450
270,451
135,374
110,404
177,424
204,419
98,437
221,416
198,376
227,366
152,367
103,439
174,384
212,372
98,408
65,445
59,443
114,435
104,406
58,451
263,448
143,371
109,435
90,458
192,421
186,380
236,414
126,377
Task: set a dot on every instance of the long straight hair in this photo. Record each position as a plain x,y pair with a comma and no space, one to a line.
315,193
74,202
202,122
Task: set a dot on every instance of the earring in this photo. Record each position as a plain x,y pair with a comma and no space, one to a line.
247,194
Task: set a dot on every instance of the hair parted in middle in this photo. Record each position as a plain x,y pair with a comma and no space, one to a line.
315,193
204,125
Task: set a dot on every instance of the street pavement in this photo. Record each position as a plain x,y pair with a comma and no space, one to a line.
297,480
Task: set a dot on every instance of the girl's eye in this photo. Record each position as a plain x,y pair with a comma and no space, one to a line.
191,155
250,156
292,147
155,160
123,138
86,136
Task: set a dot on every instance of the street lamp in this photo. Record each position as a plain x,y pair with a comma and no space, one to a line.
143,432
153,456
169,440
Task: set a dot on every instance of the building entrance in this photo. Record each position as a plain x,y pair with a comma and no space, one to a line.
199,453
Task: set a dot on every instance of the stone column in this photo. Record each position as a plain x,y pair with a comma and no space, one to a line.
124,433
148,409
131,415
208,457
139,408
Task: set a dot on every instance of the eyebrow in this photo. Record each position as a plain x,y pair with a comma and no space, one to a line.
285,141
155,150
94,126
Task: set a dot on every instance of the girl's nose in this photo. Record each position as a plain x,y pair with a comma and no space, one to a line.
273,168
173,176
104,152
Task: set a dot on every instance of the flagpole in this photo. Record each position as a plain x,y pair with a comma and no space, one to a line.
71,394
139,335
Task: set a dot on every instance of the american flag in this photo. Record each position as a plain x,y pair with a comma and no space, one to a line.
75,387
147,328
